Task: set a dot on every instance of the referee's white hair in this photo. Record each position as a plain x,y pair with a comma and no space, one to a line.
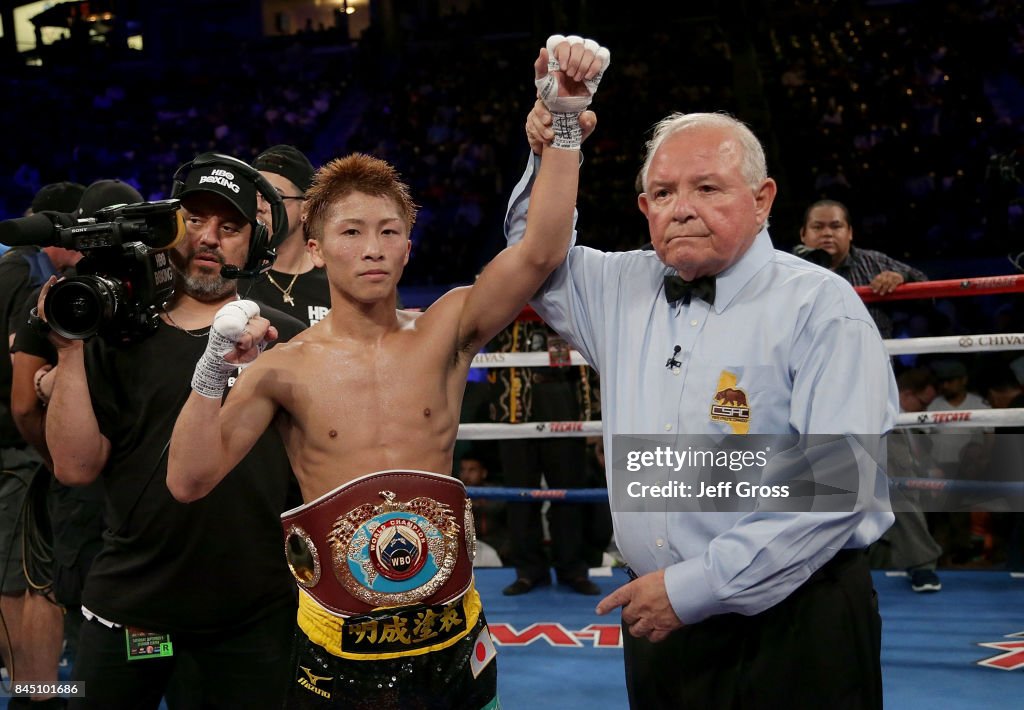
753,166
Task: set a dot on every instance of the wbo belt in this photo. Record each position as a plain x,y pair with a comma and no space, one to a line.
386,539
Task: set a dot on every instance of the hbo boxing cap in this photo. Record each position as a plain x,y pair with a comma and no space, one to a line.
221,179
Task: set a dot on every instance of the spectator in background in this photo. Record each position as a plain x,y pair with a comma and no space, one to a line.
1005,390
962,454
826,226
294,285
950,449
908,544
57,197
489,516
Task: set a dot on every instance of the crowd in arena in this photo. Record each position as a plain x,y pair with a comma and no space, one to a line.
916,129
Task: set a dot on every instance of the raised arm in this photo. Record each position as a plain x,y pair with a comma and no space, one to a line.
566,85
209,440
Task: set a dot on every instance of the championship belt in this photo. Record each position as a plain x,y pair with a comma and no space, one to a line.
392,538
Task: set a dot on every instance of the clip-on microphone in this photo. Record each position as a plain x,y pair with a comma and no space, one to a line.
672,363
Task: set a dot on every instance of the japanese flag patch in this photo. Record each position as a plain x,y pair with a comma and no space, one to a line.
483,652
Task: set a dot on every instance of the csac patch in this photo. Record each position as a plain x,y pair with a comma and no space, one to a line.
730,404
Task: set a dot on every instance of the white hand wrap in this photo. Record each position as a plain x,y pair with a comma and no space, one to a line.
213,371
567,109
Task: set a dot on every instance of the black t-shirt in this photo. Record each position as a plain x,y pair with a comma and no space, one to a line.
22,269
27,338
166,566
310,292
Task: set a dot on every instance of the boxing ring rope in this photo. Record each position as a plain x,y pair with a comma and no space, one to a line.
959,419
538,495
952,288
985,342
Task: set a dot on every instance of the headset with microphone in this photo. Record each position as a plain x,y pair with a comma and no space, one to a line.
262,248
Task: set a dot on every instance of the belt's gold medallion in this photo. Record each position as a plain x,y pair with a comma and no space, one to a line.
394,553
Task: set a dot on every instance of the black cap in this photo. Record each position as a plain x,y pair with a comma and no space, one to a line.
58,197
286,161
220,179
104,193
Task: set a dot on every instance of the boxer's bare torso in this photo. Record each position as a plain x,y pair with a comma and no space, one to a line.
351,401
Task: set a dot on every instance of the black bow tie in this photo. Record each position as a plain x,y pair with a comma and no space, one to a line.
703,288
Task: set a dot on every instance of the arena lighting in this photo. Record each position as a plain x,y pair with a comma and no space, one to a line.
346,6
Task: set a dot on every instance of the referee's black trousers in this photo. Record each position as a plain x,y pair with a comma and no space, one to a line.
818,648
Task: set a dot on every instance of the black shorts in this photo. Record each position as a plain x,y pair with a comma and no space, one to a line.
438,680
17,469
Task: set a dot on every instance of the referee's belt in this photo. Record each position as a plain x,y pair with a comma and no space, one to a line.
386,539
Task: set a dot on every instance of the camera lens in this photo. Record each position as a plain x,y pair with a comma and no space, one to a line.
78,307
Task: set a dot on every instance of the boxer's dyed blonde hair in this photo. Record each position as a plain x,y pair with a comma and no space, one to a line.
354,173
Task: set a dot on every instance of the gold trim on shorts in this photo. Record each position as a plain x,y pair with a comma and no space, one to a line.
409,631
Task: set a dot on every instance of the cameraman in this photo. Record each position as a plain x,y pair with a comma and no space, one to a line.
204,584
31,351
32,625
